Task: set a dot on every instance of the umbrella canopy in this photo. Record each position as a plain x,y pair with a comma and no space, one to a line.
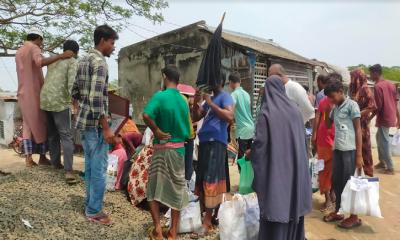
186,89
209,75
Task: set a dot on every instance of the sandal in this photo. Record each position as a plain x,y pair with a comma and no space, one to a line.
101,218
70,179
333,217
202,232
215,221
44,162
350,224
58,166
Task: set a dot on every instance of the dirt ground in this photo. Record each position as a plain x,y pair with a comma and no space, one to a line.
55,210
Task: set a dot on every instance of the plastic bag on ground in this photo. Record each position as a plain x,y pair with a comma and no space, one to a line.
246,176
111,176
192,182
190,219
232,223
361,196
395,144
314,171
252,216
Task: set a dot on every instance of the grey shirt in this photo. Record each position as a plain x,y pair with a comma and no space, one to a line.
343,115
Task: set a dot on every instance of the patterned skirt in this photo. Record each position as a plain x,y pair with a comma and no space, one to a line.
167,183
139,176
211,175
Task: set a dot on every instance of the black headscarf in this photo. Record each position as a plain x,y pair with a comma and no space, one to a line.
279,157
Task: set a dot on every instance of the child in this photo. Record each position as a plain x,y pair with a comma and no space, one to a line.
324,140
119,150
347,152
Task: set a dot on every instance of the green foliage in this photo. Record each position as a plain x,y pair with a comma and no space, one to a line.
63,19
390,73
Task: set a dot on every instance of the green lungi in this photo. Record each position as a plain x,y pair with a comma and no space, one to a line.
167,183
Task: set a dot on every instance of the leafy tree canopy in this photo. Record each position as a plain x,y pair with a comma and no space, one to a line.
63,19
390,73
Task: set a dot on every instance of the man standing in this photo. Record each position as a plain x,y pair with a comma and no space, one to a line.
298,95
166,114
243,119
29,62
387,116
322,81
295,92
91,90
211,172
55,99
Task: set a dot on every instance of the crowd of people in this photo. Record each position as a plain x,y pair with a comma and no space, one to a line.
275,142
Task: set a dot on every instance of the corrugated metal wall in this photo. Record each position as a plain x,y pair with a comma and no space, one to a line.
300,73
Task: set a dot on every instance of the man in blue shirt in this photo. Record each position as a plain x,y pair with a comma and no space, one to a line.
217,112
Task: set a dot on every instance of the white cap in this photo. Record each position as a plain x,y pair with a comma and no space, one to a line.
36,31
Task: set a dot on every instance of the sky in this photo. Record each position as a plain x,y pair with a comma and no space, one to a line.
342,33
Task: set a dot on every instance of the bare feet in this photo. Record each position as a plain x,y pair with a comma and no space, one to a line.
156,234
326,206
29,162
380,165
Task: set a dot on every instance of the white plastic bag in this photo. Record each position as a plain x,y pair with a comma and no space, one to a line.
361,196
147,137
111,176
315,167
252,216
190,219
232,223
395,144
192,182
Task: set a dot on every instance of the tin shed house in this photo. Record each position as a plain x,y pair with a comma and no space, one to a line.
139,64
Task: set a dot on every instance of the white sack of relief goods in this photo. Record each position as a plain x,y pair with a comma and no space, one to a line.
252,216
361,196
111,175
231,214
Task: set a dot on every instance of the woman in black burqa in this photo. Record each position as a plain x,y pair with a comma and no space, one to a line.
279,157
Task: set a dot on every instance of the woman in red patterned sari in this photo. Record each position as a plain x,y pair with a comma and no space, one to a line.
360,92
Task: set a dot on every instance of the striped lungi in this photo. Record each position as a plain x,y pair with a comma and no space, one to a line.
167,183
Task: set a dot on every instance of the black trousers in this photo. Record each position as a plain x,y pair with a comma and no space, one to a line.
343,167
244,145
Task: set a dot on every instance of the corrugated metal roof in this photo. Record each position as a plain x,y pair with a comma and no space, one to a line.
8,96
257,44
260,45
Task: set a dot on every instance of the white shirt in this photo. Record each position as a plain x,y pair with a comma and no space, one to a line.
298,95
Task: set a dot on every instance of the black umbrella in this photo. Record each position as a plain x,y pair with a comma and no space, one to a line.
209,75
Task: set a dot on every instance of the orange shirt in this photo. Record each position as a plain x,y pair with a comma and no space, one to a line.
129,127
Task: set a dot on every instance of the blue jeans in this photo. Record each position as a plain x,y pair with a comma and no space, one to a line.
95,148
382,139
